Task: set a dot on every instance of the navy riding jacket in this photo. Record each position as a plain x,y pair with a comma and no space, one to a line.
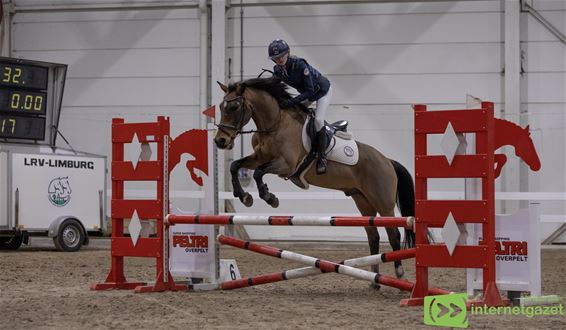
297,73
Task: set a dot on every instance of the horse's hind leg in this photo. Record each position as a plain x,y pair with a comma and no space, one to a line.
366,209
394,236
384,203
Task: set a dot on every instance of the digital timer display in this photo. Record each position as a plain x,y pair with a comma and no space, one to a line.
23,76
31,93
21,127
23,102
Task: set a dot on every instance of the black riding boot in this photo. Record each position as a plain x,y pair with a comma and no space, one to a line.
320,148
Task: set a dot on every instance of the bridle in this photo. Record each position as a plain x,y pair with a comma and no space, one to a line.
242,110
242,120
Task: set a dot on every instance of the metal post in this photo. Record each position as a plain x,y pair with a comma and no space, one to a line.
512,97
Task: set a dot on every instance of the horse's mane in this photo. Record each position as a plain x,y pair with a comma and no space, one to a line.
510,124
277,89
273,86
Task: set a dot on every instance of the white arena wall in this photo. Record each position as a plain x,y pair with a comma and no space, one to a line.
137,60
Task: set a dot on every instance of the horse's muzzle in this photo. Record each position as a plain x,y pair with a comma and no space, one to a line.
223,143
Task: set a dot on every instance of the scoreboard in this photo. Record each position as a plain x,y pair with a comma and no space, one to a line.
30,100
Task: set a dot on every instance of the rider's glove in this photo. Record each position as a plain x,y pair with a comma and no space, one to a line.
287,103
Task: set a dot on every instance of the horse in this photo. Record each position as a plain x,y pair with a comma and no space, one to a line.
376,183
61,187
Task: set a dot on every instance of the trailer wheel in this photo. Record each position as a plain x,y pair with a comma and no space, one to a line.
11,243
70,236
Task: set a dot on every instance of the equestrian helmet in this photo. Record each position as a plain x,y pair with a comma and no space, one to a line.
277,48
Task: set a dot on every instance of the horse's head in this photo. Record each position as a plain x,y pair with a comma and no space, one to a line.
235,113
525,149
58,187
65,184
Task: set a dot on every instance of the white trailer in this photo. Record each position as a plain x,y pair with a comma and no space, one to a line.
50,191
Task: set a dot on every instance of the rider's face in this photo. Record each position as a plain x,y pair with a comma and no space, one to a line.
282,60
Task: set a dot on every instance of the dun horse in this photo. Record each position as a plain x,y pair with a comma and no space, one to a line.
376,183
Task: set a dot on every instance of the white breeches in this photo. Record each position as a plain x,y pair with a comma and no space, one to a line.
321,108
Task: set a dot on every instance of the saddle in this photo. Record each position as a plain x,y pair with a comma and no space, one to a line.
331,130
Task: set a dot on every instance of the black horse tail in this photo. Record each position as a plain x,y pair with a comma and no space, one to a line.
405,199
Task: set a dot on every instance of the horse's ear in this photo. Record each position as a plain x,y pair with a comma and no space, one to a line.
240,88
223,87
527,128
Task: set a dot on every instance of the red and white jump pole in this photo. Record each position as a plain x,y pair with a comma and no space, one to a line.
403,222
311,271
324,265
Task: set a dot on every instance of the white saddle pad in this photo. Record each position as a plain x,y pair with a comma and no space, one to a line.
342,149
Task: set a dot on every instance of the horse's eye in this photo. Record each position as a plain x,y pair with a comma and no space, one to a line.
233,107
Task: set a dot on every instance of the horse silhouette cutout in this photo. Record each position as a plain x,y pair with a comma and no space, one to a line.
193,142
509,133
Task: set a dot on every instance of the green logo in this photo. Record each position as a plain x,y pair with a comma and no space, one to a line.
447,310
59,191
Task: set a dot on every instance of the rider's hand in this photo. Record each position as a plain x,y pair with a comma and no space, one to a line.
305,109
287,103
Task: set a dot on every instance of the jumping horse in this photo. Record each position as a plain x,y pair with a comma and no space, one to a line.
376,183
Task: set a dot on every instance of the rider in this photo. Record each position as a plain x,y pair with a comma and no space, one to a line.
312,86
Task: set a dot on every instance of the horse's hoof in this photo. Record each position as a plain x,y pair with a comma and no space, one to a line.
375,286
248,200
274,202
399,272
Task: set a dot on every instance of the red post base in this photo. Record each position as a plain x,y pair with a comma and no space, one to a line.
138,287
491,297
161,288
116,285
409,302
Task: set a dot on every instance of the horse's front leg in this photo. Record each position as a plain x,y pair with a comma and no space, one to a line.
262,188
238,191
251,162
